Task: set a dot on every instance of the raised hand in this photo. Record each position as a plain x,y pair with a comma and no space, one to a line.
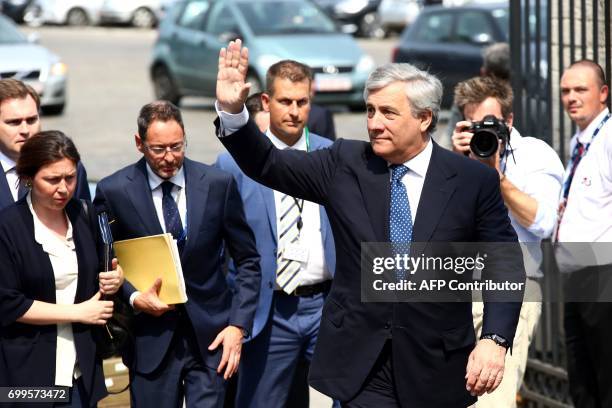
232,91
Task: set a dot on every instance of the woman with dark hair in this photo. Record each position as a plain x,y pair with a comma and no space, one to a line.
50,289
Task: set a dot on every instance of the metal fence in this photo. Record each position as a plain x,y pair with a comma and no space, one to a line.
545,38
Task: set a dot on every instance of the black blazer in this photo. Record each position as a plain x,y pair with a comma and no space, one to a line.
460,201
214,215
82,189
27,352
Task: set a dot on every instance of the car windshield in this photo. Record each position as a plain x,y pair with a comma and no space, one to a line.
9,34
285,17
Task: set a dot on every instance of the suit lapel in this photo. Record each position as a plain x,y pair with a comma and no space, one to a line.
6,198
437,191
139,193
374,184
267,195
197,193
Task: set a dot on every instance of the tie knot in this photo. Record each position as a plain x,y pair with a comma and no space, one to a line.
398,171
167,188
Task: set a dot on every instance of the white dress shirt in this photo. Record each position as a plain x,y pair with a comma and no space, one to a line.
315,269
178,192
62,254
535,169
8,167
588,212
414,178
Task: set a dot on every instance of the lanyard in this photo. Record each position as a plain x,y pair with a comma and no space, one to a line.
577,156
595,133
307,137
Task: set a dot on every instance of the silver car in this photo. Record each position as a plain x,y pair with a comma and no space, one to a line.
185,56
33,64
139,13
66,12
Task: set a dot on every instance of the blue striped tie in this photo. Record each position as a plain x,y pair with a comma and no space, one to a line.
172,217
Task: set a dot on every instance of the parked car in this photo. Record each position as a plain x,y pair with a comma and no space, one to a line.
34,64
395,15
358,17
15,9
185,56
448,41
66,12
139,13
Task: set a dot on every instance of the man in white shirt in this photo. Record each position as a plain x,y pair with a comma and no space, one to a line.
293,286
530,174
20,119
585,215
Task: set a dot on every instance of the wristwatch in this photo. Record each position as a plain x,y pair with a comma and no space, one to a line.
499,340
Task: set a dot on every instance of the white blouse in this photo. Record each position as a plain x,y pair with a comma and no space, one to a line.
62,254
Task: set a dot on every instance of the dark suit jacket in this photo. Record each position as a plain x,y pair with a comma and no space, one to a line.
214,215
460,201
261,215
27,352
82,190
321,122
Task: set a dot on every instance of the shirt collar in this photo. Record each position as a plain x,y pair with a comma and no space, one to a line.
6,162
155,181
419,163
279,144
50,242
587,134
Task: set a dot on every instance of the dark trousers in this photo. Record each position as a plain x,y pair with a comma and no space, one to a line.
182,374
268,362
78,396
379,387
588,336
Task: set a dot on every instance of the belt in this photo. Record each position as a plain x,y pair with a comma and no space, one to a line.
308,290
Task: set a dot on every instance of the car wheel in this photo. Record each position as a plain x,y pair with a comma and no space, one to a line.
77,17
143,18
32,16
164,86
54,109
371,27
255,83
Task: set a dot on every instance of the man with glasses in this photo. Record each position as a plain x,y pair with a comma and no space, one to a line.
189,349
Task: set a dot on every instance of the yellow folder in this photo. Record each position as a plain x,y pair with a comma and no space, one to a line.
147,258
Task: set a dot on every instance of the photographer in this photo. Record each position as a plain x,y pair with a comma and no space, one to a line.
530,174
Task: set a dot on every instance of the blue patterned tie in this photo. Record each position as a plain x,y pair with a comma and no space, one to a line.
172,217
400,218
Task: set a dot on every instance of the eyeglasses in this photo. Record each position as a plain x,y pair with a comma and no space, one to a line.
161,150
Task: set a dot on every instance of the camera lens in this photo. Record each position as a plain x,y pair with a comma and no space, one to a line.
484,143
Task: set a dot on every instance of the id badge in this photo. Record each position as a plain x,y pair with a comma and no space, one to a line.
296,252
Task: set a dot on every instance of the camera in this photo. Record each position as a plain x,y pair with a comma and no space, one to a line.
487,132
